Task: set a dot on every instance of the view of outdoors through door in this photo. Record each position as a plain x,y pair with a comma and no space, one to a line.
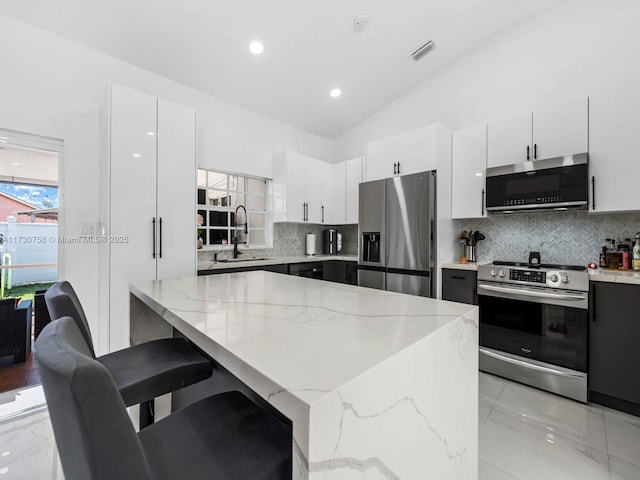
28,252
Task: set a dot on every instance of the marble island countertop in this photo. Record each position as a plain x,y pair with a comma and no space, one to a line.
247,261
370,379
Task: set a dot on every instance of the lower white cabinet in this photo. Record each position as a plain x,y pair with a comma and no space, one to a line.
147,202
469,163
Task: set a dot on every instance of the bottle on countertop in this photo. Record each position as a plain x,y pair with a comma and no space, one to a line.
624,249
636,253
603,257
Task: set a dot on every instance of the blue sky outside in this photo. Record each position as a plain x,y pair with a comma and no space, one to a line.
39,196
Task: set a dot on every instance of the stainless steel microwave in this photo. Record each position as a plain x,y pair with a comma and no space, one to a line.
553,184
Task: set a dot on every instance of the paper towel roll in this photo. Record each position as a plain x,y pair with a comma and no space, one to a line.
311,244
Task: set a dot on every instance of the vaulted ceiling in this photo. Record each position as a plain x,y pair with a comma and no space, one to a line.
310,47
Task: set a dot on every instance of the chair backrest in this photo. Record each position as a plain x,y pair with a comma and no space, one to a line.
62,301
7,322
95,437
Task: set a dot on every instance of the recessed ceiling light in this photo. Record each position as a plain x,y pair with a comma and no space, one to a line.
256,47
478,174
136,155
15,163
151,134
335,93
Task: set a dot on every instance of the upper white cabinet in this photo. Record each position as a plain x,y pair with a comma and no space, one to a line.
302,188
338,214
382,158
403,154
469,163
150,164
508,140
353,178
614,128
551,132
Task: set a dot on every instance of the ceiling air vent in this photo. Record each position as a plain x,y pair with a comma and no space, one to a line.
423,50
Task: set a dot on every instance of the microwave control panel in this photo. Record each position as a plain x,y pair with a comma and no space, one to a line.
533,276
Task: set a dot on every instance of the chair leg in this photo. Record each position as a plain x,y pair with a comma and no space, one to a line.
146,413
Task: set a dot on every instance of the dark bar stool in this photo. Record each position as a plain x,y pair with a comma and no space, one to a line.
142,372
223,437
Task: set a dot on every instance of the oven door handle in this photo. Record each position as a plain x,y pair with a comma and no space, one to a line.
530,293
531,366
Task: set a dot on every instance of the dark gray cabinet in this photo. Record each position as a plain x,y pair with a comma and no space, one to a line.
341,271
614,346
460,285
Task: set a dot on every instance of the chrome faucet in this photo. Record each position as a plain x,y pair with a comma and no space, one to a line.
246,230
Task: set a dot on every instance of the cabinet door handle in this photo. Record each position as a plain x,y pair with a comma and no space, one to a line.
322,213
398,168
527,152
593,193
535,151
482,202
304,211
458,277
153,229
592,301
160,243
395,166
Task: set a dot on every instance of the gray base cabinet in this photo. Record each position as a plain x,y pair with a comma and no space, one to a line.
460,286
614,346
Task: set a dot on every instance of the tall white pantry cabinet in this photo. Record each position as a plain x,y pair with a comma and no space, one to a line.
148,195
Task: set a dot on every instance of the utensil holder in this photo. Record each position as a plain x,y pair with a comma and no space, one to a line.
470,253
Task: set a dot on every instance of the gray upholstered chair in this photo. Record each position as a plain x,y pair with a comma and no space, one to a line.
142,372
223,437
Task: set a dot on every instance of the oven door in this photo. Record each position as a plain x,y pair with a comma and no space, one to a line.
542,324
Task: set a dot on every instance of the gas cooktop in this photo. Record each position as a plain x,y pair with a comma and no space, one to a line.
553,266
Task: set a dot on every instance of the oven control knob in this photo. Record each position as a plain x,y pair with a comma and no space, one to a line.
554,278
493,272
565,278
502,273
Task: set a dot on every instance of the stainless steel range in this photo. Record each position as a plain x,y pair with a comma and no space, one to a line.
534,324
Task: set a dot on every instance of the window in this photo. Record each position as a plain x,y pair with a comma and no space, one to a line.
219,195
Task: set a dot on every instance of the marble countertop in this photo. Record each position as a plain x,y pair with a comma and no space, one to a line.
246,262
615,276
461,266
312,325
350,366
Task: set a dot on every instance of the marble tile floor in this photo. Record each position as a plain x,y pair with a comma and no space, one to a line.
524,434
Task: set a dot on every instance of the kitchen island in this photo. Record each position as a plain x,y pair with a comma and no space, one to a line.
377,385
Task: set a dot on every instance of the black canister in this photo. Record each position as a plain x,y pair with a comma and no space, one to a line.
330,241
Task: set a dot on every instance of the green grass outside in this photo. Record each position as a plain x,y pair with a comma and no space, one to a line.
26,291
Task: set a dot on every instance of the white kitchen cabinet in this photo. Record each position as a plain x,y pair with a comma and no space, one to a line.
546,133
339,184
508,139
469,163
353,178
382,158
302,188
148,200
403,154
561,130
417,150
614,125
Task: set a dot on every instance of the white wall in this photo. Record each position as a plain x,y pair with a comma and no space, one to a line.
578,49
55,88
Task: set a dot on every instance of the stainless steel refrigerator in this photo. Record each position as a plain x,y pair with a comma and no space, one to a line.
396,231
